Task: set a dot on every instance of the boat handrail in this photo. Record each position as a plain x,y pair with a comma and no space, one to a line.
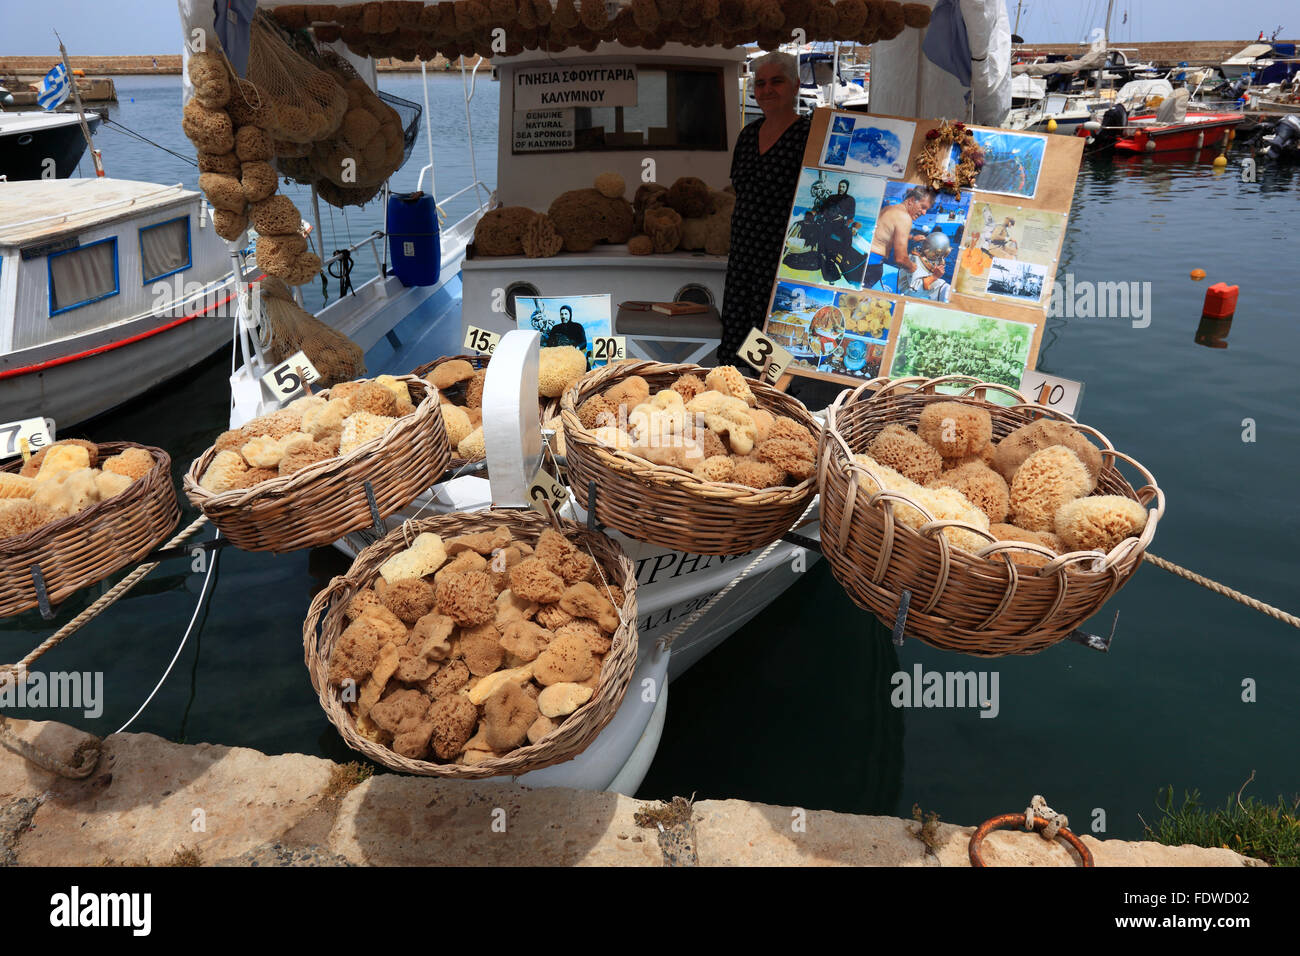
64,216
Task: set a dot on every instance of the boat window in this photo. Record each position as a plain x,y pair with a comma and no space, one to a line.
165,248
82,275
677,108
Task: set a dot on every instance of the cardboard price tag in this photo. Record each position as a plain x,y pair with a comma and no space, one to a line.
608,348
290,376
1058,394
481,340
38,433
767,358
544,488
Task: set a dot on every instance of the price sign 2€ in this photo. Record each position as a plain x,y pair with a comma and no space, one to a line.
34,432
544,489
481,340
291,376
767,358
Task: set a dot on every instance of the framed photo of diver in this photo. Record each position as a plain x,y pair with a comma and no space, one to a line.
1009,252
828,237
567,319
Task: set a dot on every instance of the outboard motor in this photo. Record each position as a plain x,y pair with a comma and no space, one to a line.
1111,128
1285,138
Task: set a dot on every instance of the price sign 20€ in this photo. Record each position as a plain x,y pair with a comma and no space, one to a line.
291,376
767,358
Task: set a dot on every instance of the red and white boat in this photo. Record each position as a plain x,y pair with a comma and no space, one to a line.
1169,128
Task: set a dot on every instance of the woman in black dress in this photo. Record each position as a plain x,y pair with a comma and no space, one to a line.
764,171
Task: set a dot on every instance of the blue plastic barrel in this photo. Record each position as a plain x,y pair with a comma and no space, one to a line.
413,242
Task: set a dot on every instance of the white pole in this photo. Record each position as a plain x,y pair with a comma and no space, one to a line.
428,132
81,112
467,84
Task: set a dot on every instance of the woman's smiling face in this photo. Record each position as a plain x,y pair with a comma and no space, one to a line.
773,91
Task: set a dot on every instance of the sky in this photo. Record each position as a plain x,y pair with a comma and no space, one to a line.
109,27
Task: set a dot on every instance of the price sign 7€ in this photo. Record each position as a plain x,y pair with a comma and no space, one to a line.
767,358
35,432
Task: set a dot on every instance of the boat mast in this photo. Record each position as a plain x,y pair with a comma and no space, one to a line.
1105,43
81,112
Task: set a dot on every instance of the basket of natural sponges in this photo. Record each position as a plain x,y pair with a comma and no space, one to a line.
475,644
701,460
79,511
296,478
1008,525
460,379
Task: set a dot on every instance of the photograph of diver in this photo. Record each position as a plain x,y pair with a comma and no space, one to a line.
913,247
566,320
831,221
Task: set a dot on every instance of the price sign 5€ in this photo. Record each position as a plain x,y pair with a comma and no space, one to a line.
34,432
481,340
291,376
767,358
544,489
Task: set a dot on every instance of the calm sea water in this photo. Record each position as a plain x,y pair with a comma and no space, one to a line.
795,708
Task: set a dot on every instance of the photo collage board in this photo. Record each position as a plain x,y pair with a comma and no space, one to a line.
880,276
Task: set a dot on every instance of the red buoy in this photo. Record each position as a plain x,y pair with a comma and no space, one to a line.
1220,301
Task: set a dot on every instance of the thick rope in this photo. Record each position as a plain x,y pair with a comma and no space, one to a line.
86,754
1055,821
667,640
1224,590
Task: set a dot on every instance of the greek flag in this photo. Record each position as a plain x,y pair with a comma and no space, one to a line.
54,88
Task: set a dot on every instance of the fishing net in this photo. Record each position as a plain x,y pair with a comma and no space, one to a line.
288,328
290,97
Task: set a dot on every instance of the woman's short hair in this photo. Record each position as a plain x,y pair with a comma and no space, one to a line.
788,64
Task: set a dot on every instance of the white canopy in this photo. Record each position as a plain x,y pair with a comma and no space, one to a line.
905,82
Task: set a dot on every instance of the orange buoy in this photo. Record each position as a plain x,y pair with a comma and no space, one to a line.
1198,274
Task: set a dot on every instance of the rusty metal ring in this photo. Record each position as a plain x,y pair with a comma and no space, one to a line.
1012,819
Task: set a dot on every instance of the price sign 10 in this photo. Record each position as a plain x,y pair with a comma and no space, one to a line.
481,340
36,432
1058,394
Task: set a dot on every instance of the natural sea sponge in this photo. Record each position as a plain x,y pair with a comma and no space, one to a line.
108,484
473,446
454,719
22,516
374,398
540,240
409,598
955,429
1009,532
425,556
562,698
1027,439
320,419
728,380
450,373
301,271
357,650
532,580
229,225
796,459
716,468
362,427
629,393
1047,480
583,600
487,686
907,453
456,423
689,196
474,388
688,386
257,180
253,145
664,227
431,636
468,598
401,393
508,714
284,248
223,191
983,486
207,71
562,556
449,678
757,474
210,130
361,602
565,659
16,486
1099,523
500,232
943,504
597,411
227,163
481,649
60,460
641,245
524,640
483,542
558,368
303,454
276,216
584,217
222,471
552,616
134,463
596,640
540,727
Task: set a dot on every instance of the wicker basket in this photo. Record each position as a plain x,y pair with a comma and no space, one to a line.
547,408
983,604
668,506
87,547
325,622
322,502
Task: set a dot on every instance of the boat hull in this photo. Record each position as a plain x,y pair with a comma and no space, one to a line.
1199,132
24,154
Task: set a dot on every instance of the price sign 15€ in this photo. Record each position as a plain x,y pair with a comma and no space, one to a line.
767,358
36,431
289,377
481,340
544,488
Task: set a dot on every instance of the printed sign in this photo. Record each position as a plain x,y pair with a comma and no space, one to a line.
289,377
544,489
1058,394
549,87
538,131
37,432
481,340
767,358
609,348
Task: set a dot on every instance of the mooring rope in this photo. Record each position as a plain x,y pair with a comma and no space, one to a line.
1224,590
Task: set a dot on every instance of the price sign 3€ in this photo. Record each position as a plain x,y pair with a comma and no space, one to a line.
767,358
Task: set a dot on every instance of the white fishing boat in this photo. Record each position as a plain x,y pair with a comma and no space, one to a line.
35,144
108,287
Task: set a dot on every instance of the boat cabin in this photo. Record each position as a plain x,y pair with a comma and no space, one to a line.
648,115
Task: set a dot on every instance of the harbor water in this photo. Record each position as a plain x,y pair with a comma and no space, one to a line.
803,706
